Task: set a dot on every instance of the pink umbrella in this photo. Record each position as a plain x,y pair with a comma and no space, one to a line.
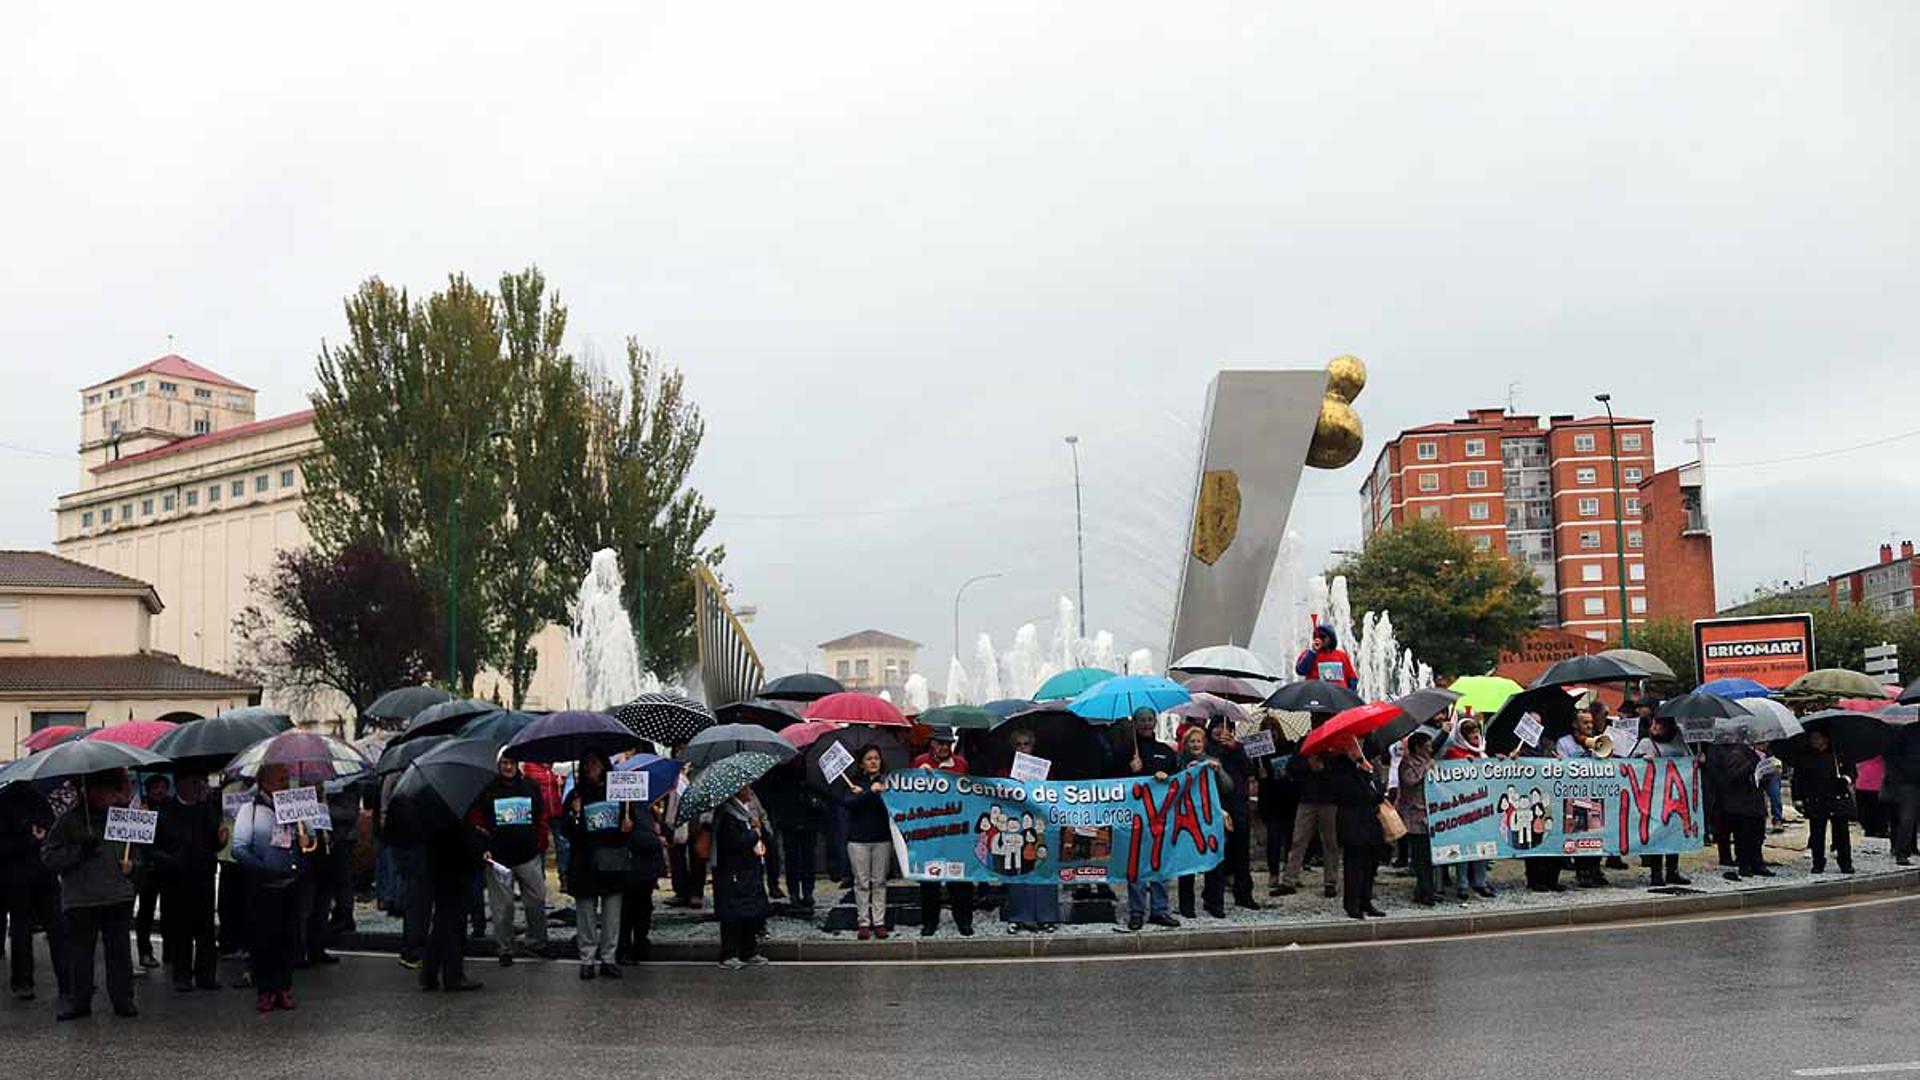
803,734
853,708
140,733
50,736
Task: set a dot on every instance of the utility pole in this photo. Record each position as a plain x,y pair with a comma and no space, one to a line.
1619,518
1079,532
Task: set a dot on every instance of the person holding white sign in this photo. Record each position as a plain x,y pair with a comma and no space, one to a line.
869,839
598,831
96,895
270,851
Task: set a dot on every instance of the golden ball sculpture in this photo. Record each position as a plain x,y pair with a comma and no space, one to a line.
1338,435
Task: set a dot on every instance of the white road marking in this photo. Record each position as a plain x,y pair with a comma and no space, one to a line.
1293,948
1856,1070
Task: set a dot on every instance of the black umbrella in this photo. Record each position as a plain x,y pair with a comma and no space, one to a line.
1078,750
893,752
271,718
725,740
444,718
1911,695
440,786
1313,696
498,726
1590,669
1005,707
78,758
806,686
207,745
1700,705
402,705
1856,736
667,719
1415,709
772,715
398,755
570,736
1552,704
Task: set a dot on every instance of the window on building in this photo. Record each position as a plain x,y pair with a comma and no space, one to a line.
139,386
1477,511
1429,482
1427,451
1596,635
86,519
106,515
201,427
1630,442
286,478
1476,448
862,668
193,497
1631,475
1636,571
113,427
1594,605
113,394
1590,571
1632,504
843,669
1429,513
13,621
213,493
1638,605
1634,539
235,401
1476,478
126,511
166,503
169,388
1585,477
1482,542
202,394
146,507
93,399
237,488
260,483
1589,507
1583,444
1590,540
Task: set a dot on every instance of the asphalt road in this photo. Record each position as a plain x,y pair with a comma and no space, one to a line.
1749,997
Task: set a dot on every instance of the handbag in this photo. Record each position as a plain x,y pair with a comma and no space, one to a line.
1390,824
612,859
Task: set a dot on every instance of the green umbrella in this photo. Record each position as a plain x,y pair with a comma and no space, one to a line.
1484,694
1835,682
1070,684
1645,661
960,718
717,782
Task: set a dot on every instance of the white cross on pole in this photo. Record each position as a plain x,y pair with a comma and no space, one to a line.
1700,442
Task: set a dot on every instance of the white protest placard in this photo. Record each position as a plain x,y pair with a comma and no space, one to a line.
299,805
1027,767
628,787
1529,729
833,763
1624,740
1258,745
131,826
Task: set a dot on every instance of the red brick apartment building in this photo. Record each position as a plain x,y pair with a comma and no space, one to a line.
1545,495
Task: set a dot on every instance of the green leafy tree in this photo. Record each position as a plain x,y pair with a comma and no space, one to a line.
1840,634
1453,604
1671,640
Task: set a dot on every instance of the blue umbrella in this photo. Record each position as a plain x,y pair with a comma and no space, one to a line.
570,736
1069,684
1116,698
662,773
1733,688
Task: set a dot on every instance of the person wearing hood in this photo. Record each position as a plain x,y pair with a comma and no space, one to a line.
1662,740
1326,660
96,894
1410,799
512,813
601,860
29,891
740,879
869,839
1468,744
185,853
1823,793
1316,815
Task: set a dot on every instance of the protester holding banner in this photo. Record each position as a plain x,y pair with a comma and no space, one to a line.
1236,793
272,854
869,839
597,830
1824,793
96,894
1195,750
941,758
1317,815
1731,775
29,891
513,814
1410,799
186,846
1587,728
1467,744
1279,800
1147,900
1663,741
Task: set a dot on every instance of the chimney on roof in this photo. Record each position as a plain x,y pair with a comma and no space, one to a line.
1906,549
1886,554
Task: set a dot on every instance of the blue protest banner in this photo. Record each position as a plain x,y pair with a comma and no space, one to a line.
1500,808
959,828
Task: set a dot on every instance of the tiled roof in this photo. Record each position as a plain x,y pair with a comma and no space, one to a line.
870,639
45,570
198,442
178,366
150,673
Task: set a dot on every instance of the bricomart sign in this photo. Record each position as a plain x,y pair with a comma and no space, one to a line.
1772,650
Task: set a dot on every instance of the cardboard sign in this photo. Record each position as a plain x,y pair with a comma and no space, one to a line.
131,826
1696,729
1028,768
1624,740
299,805
1529,730
232,802
628,786
1259,745
834,762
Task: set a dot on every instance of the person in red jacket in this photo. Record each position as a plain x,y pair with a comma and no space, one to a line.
1326,661
940,757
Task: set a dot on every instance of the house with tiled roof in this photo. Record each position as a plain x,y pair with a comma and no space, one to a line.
871,660
76,647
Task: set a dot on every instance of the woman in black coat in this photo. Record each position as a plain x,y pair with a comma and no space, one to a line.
1743,805
1357,794
598,862
1824,793
1279,802
740,880
649,857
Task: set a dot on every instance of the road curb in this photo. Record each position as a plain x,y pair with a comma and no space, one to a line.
1150,943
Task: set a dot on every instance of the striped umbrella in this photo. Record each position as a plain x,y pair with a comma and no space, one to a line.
667,719
718,782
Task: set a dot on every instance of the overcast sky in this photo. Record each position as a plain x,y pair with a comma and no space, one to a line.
900,250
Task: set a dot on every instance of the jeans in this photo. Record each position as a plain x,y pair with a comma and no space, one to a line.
1310,819
1039,905
798,859
1147,899
871,862
597,922
531,876
1842,842
1773,797
1473,875
388,891
108,926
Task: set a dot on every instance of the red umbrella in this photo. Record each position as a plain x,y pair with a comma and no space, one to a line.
802,735
1357,722
140,733
50,736
852,708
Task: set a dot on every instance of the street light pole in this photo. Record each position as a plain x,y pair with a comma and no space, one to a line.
1079,531
1619,516
956,606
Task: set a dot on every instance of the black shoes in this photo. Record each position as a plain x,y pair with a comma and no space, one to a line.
586,971
1373,912
1135,922
1676,878
73,1012
464,986
928,930
1166,921
1330,891
506,959
611,972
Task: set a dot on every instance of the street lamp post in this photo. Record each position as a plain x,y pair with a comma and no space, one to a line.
1619,517
1079,531
453,559
956,606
